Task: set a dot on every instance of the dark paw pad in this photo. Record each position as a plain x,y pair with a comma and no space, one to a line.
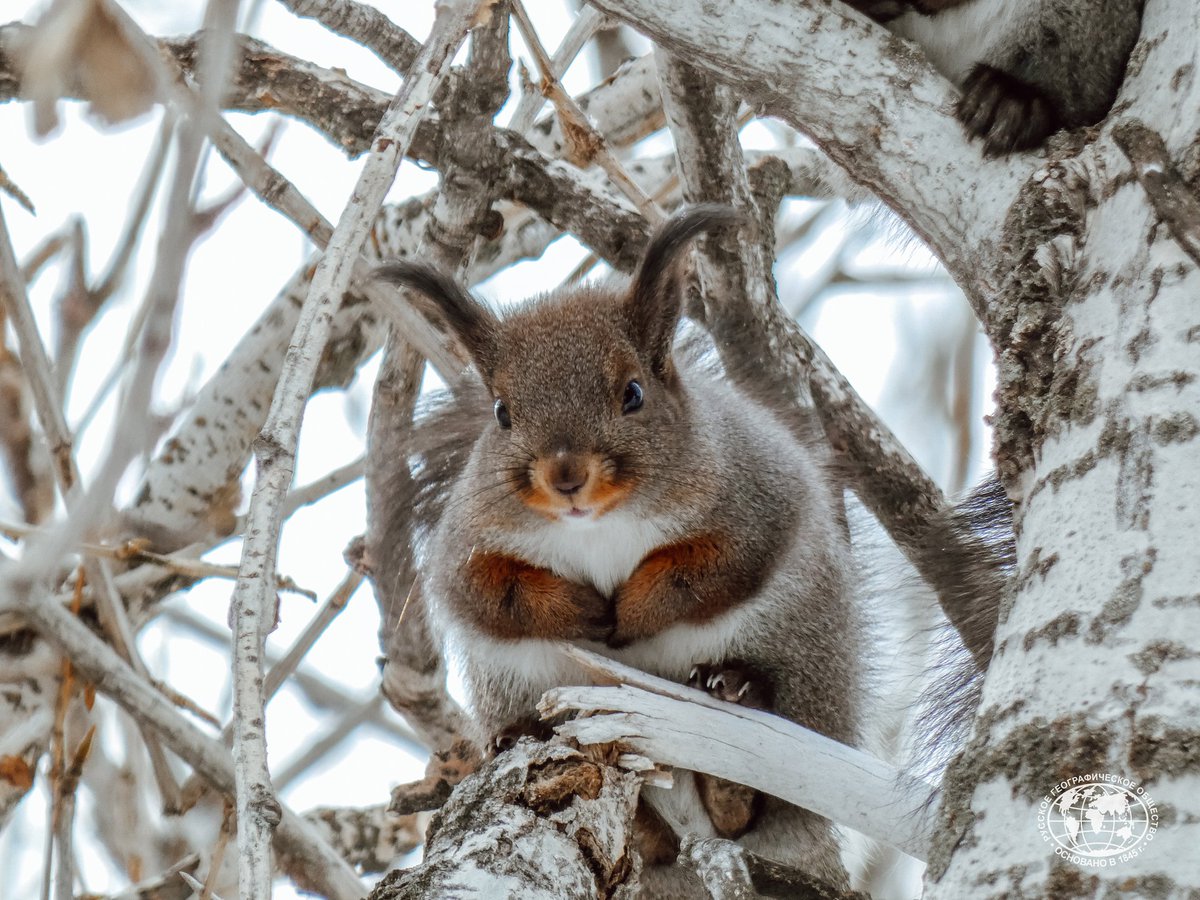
1006,112
732,682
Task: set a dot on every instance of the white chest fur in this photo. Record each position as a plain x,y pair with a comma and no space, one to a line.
603,552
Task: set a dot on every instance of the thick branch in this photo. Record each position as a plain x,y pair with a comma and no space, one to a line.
1173,199
678,726
541,822
881,112
364,24
414,674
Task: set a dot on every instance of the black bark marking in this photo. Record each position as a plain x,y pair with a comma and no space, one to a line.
1032,758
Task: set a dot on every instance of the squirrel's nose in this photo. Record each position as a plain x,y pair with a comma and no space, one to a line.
568,478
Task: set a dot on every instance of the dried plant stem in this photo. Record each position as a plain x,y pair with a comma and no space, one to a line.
287,665
50,548
586,144
586,24
36,363
133,550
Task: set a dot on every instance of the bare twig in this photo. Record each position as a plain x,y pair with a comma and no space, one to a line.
36,363
64,823
138,211
282,195
586,24
202,889
82,302
308,859
252,607
187,566
365,25
228,828
8,186
27,465
45,552
66,688
332,738
149,888
49,248
321,694
323,486
283,669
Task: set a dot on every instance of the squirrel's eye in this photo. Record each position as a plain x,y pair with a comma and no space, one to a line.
632,400
502,415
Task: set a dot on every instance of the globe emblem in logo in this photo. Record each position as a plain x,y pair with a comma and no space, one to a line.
1098,820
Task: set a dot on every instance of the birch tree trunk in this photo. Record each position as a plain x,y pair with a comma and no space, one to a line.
1098,329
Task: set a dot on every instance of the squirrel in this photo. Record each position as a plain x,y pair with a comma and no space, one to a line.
600,482
1027,68
597,484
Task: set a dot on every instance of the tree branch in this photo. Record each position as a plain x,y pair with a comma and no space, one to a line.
414,671
311,862
675,725
365,25
536,804
252,608
881,112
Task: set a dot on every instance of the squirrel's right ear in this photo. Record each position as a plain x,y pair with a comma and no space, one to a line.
444,301
656,298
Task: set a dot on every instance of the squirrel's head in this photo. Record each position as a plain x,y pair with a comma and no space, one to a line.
587,406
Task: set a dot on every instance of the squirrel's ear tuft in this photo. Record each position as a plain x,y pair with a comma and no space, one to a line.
446,303
656,298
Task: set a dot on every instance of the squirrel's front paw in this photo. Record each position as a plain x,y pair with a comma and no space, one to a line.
1008,113
595,615
734,682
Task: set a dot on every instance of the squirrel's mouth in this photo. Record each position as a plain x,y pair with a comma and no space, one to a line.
574,487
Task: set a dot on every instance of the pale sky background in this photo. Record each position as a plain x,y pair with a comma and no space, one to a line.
87,170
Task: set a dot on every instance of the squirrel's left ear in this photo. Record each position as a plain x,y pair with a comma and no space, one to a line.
656,297
444,301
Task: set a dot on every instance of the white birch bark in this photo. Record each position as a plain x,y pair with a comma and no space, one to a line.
1097,660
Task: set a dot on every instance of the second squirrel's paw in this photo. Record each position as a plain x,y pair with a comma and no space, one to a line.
508,736
1007,113
732,681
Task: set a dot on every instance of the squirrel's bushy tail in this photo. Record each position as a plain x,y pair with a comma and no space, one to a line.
971,550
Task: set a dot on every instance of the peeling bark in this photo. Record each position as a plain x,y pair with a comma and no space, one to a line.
540,821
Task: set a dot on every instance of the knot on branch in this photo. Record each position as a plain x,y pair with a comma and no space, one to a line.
538,808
